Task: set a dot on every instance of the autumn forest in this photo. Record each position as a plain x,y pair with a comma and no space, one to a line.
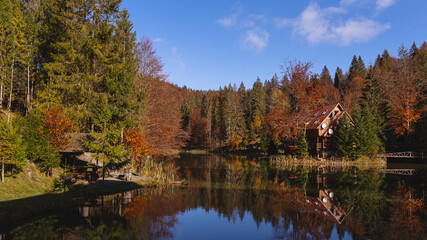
77,67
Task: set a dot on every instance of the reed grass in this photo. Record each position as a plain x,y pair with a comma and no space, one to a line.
289,162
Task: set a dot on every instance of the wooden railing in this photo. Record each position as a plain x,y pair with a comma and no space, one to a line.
403,155
399,171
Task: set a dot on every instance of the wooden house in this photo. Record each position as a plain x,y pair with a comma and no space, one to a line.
320,125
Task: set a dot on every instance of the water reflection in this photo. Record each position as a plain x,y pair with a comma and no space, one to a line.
225,195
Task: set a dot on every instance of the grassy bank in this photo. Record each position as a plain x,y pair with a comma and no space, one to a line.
24,197
22,186
14,211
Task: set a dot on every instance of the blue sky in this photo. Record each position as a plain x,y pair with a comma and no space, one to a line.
208,44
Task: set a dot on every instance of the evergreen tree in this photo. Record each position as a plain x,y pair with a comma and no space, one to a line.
357,68
12,155
5,28
366,133
265,142
301,145
258,104
17,47
361,69
414,50
344,139
339,79
372,102
386,62
39,148
325,77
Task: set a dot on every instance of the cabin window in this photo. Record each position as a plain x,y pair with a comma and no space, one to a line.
316,113
323,113
331,115
315,122
335,113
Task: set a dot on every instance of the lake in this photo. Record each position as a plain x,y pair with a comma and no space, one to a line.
235,197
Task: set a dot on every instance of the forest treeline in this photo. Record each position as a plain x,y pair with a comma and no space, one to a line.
76,66
386,102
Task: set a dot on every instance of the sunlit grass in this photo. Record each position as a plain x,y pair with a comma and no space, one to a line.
21,186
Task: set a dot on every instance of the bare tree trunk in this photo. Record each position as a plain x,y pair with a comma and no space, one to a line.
2,171
2,88
9,107
1,95
28,90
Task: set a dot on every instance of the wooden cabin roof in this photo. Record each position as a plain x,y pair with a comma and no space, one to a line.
316,117
76,143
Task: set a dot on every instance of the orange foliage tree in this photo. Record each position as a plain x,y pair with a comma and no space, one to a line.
137,141
163,128
56,126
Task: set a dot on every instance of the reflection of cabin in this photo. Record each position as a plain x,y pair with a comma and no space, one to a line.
325,205
320,124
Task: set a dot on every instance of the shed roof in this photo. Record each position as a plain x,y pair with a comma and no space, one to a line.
76,143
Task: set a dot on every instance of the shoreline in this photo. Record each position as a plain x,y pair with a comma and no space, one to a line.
15,210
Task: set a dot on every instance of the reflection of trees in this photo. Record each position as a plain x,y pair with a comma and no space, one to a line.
283,198
152,216
408,215
362,189
46,228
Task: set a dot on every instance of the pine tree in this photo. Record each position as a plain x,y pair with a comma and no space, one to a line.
11,149
339,79
372,102
357,68
264,144
386,62
301,145
258,104
366,133
17,47
5,28
344,139
325,77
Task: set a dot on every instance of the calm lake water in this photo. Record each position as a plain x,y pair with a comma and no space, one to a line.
232,197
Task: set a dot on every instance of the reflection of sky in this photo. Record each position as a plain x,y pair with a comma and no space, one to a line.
201,224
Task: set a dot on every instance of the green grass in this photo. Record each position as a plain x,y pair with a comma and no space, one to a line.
21,186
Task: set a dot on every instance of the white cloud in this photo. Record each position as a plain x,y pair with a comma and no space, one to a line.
252,20
157,40
228,21
177,58
256,39
383,4
358,31
324,26
282,22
